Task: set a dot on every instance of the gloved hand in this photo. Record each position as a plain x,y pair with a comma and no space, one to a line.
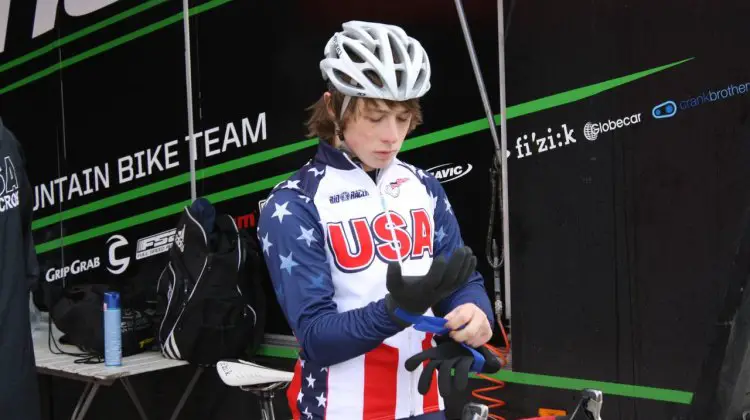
410,296
448,355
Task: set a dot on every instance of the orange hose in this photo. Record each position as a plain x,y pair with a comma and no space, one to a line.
503,356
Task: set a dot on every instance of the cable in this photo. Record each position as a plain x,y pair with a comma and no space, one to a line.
503,354
498,180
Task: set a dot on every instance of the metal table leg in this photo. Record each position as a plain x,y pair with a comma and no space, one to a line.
84,402
187,392
133,397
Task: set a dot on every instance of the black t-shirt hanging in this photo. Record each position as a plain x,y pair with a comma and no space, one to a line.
19,390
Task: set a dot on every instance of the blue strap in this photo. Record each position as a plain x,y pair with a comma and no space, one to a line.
479,360
431,324
436,325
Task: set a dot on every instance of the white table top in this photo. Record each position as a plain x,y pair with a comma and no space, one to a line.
64,365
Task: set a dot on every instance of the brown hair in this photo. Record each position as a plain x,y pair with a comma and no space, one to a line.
321,123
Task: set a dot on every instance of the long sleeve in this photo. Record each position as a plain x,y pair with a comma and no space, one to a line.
293,245
447,239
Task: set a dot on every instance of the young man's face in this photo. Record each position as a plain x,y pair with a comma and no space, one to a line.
376,132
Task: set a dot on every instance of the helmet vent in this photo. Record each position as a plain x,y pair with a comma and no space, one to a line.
397,59
353,55
373,76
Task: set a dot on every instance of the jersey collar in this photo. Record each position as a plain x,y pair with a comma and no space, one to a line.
331,156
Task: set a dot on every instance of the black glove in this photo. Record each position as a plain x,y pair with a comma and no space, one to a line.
415,294
448,355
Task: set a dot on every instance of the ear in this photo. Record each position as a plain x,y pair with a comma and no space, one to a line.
328,98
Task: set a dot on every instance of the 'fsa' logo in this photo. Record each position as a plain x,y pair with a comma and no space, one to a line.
155,244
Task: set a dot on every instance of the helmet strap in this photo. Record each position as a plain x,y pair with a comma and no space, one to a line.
343,147
344,104
340,132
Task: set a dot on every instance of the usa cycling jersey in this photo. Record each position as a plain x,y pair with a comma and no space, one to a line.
326,239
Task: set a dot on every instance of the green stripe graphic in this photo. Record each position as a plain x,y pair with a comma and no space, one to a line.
413,143
158,214
80,34
111,44
582,93
608,388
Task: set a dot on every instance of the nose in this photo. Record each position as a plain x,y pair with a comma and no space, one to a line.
390,132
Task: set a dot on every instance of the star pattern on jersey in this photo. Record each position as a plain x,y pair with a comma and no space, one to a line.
434,200
308,235
278,290
448,207
318,282
311,397
266,244
266,201
440,234
316,172
287,263
304,197
292,184
281,211
310,381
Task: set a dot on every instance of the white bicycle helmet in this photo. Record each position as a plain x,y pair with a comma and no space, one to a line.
365,49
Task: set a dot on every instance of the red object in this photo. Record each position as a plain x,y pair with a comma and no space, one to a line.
431,398
380,384
545,418
294,387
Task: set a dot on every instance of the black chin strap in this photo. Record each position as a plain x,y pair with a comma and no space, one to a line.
343,147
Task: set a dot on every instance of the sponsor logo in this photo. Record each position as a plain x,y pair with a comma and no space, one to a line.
8,185
76,267
246,221
448,172
592,130
394,188
117,265
225,368
179,239
664,110
155,244
347,195
551,141
710,96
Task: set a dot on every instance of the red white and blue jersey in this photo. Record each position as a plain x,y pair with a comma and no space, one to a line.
326,240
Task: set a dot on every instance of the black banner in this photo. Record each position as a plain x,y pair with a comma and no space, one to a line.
628,147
